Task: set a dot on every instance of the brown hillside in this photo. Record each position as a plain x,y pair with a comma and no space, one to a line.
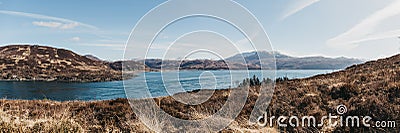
33,62
369,89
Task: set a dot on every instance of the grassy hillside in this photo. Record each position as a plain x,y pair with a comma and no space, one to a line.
43,63
369,89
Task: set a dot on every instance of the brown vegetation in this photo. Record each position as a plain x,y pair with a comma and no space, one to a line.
73,116
369,89
42,63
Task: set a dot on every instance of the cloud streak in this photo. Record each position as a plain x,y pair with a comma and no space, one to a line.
47,24
53,24
75,39
364,31
297,7
65,23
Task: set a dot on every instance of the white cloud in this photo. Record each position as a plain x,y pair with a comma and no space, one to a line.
47,24
366,29
69,26
76,39
52,24
297,7
67,23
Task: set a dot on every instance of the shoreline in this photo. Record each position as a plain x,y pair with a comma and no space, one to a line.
133,74
126,75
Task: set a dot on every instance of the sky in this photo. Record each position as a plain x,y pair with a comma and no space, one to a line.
364,29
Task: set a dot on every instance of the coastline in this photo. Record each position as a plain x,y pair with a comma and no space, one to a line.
124,75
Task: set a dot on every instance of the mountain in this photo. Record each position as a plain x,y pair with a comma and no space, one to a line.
252,60
33,62
198,64
129,65
289,62
203,64
252,56
92,57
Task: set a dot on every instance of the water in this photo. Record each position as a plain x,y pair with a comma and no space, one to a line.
136,88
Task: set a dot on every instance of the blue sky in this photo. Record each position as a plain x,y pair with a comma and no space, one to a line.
366,29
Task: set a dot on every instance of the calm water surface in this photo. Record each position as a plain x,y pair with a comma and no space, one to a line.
159,84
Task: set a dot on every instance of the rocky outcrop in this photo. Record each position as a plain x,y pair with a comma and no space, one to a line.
42,63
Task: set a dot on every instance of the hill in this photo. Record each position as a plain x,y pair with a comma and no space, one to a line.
33,62
369,89
129,65
288,62
252,61
92,57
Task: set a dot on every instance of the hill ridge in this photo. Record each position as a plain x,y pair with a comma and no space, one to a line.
44,63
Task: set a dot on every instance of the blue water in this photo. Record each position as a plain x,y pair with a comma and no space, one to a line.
159,84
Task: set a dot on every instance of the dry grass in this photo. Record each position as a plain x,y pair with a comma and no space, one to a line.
107,116
73,116
371,89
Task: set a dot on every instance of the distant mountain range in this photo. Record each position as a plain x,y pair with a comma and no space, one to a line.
33,62
289,62
254,60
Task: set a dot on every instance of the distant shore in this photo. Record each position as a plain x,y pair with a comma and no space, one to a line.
369,89
126,75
